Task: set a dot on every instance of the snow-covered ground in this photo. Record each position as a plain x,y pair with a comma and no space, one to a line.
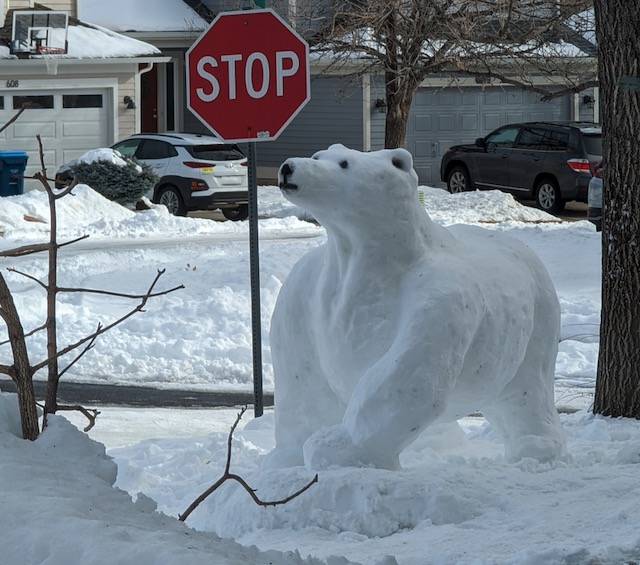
455,501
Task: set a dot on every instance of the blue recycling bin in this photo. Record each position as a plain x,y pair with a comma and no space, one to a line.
12,166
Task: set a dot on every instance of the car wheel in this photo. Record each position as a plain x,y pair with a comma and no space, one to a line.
170,197
458,180
548,197
236,214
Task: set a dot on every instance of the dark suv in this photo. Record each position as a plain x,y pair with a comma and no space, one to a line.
549,162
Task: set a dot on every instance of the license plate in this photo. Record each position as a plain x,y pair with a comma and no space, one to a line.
230,180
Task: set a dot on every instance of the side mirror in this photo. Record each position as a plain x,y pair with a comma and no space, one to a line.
480,142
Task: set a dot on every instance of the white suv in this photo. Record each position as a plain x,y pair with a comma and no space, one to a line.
197,172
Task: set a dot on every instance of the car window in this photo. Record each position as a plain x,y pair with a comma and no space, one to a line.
155,149
558,141
533,138
503,138
222,152
127,147
593,144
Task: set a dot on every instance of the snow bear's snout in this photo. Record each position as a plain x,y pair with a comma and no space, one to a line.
284,177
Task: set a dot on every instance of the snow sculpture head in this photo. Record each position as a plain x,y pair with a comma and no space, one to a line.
386,178
396,323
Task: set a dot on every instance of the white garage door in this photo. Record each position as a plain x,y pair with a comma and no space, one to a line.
69,123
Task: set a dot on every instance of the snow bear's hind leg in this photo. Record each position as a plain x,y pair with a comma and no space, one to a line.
525,413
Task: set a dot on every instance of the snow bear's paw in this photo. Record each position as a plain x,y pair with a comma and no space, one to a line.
283,458
542,448
334,447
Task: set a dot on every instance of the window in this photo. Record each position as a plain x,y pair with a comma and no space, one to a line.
533,139
593,144
155,149
504,138
128,147
221,152
1,102
558,141
33,102
82,101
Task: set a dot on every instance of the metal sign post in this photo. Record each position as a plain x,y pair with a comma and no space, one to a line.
254,260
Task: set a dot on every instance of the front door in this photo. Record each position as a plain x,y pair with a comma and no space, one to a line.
149,101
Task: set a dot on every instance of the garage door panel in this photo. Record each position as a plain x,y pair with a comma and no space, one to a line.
469,99
513,117
423,123
491,121
446,123
469,122
421,149
81,129
27,129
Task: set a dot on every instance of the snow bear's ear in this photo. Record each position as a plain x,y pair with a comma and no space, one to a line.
401,159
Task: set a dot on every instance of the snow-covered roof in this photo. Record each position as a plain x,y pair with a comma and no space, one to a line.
141,15
89,41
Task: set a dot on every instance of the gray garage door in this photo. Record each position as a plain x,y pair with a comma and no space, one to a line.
442,117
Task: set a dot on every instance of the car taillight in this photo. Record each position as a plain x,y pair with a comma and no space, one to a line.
579,165
198,165
197,184
597,170
245,164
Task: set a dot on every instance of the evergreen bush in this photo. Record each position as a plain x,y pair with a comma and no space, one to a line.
124,184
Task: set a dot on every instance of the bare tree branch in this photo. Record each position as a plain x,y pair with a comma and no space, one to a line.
36,248
87,348
5,126
89,413
230,476
102,329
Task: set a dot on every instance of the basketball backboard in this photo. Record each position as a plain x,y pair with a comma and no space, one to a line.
39,32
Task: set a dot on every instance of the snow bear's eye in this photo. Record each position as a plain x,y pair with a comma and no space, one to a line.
344,164
399,163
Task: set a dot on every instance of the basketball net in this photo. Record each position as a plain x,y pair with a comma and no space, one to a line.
51,58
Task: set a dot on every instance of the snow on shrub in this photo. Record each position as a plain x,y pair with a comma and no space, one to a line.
113,175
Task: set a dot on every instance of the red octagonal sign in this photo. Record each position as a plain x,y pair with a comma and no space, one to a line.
248,75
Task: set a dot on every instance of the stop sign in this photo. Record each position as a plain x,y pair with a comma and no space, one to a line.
248,75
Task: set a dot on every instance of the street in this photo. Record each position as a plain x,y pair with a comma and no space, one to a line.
114,395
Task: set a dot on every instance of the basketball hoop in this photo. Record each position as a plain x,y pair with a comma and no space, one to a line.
51,57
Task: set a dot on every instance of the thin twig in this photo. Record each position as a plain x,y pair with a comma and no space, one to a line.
5,126
89,413
103,329
230,476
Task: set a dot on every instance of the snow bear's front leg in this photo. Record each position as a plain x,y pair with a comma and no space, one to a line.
395,400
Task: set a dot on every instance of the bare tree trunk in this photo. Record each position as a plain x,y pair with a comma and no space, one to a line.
53,374
618,378
399,96
20,371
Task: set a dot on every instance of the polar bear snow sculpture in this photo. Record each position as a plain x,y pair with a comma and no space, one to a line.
396,323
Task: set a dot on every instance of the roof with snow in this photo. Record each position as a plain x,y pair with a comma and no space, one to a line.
144,15
85,41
